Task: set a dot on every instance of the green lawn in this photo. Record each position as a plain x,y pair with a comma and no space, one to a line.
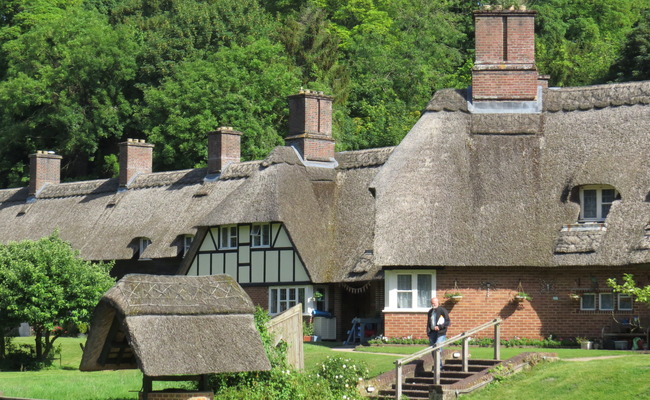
626,377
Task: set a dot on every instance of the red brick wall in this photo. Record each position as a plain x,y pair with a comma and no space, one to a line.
135,158
259,295
505,56
45,168
310,125
550,312
224,147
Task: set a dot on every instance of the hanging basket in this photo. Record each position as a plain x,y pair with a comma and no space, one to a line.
521,296
574,296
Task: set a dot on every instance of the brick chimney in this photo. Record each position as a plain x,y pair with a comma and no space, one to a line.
44,169
310,125
224,147
504,69
136,157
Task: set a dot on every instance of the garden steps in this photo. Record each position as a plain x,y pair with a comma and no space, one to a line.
422,384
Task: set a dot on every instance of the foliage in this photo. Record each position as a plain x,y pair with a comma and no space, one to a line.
47,284
523,295
629,286
342,375
549,342
307,328
633,63
22,357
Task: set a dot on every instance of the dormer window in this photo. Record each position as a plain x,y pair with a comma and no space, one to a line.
595,202
187,242
260,235
144,243
228,237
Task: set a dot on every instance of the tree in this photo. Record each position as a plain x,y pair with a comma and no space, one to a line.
630,287
634,61
48,285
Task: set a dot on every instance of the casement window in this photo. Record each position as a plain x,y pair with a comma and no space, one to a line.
588,301
283,298
624,302
187,242
596,201
144,243
260,235
606,301
228,237
409,290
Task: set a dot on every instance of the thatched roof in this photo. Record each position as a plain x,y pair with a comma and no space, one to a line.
497,189
175,325
326,208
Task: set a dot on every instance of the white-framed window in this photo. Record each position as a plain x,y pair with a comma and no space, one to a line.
605,301
409,290
228,237
625,302
595,202
144,243
261,235
283,298
187,242
588,301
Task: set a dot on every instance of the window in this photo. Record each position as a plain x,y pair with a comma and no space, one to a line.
624,302
588,301
187,242
260,235
596,201
228,236
144,243
409,290
606,301
283,298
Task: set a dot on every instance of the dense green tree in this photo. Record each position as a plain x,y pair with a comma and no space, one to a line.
47,284
633,63
240,86
64,89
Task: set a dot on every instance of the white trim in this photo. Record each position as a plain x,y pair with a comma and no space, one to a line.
309,298
627,296
599,202
390,286
582,308
228,241
600,301
264,239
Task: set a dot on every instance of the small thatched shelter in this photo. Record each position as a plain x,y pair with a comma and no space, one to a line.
175,325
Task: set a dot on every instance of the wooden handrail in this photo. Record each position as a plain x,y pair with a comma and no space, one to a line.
463,336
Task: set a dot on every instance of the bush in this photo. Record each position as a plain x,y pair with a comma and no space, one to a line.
23,357
342,375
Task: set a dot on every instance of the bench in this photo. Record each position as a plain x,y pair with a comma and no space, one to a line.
624,332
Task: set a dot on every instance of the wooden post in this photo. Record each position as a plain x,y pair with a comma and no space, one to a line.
466,354
147,386
398,387
436,366
497,341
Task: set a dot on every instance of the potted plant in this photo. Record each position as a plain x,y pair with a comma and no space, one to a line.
307,331
454,296
574,296
521,296
585,344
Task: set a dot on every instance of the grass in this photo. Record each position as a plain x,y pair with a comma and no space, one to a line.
626,377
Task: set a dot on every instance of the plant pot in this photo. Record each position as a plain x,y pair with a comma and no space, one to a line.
587,345
307,338
455,299
519,299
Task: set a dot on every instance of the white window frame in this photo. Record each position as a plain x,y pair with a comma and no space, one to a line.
290,302
582,307
390,284
600,301
260,235
625,296
228,237
187,243
144,243
599,202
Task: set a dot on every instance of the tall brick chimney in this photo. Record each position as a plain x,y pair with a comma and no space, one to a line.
504,69
44,169
224,147
136,157
310,125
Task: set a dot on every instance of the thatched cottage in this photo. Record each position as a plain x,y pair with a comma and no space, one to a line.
504,187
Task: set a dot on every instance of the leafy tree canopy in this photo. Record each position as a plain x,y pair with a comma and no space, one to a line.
629,286
47,284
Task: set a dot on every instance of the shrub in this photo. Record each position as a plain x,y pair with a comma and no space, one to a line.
342,375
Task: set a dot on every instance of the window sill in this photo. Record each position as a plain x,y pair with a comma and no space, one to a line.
404,310
585,226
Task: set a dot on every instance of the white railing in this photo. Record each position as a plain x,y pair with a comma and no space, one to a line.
465,336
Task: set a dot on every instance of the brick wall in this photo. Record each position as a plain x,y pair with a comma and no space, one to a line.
505,56
135,158
259,295
44,168
224,147
178,396
550,312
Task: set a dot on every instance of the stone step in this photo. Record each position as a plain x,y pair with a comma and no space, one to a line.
411,394
457,361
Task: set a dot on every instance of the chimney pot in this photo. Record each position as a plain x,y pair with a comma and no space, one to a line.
224,147
44,169
136,157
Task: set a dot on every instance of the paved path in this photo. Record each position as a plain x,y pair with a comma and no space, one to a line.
351,350
591,358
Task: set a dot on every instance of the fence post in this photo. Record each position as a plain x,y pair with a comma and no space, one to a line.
436,366
398,387
466,354
497,341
